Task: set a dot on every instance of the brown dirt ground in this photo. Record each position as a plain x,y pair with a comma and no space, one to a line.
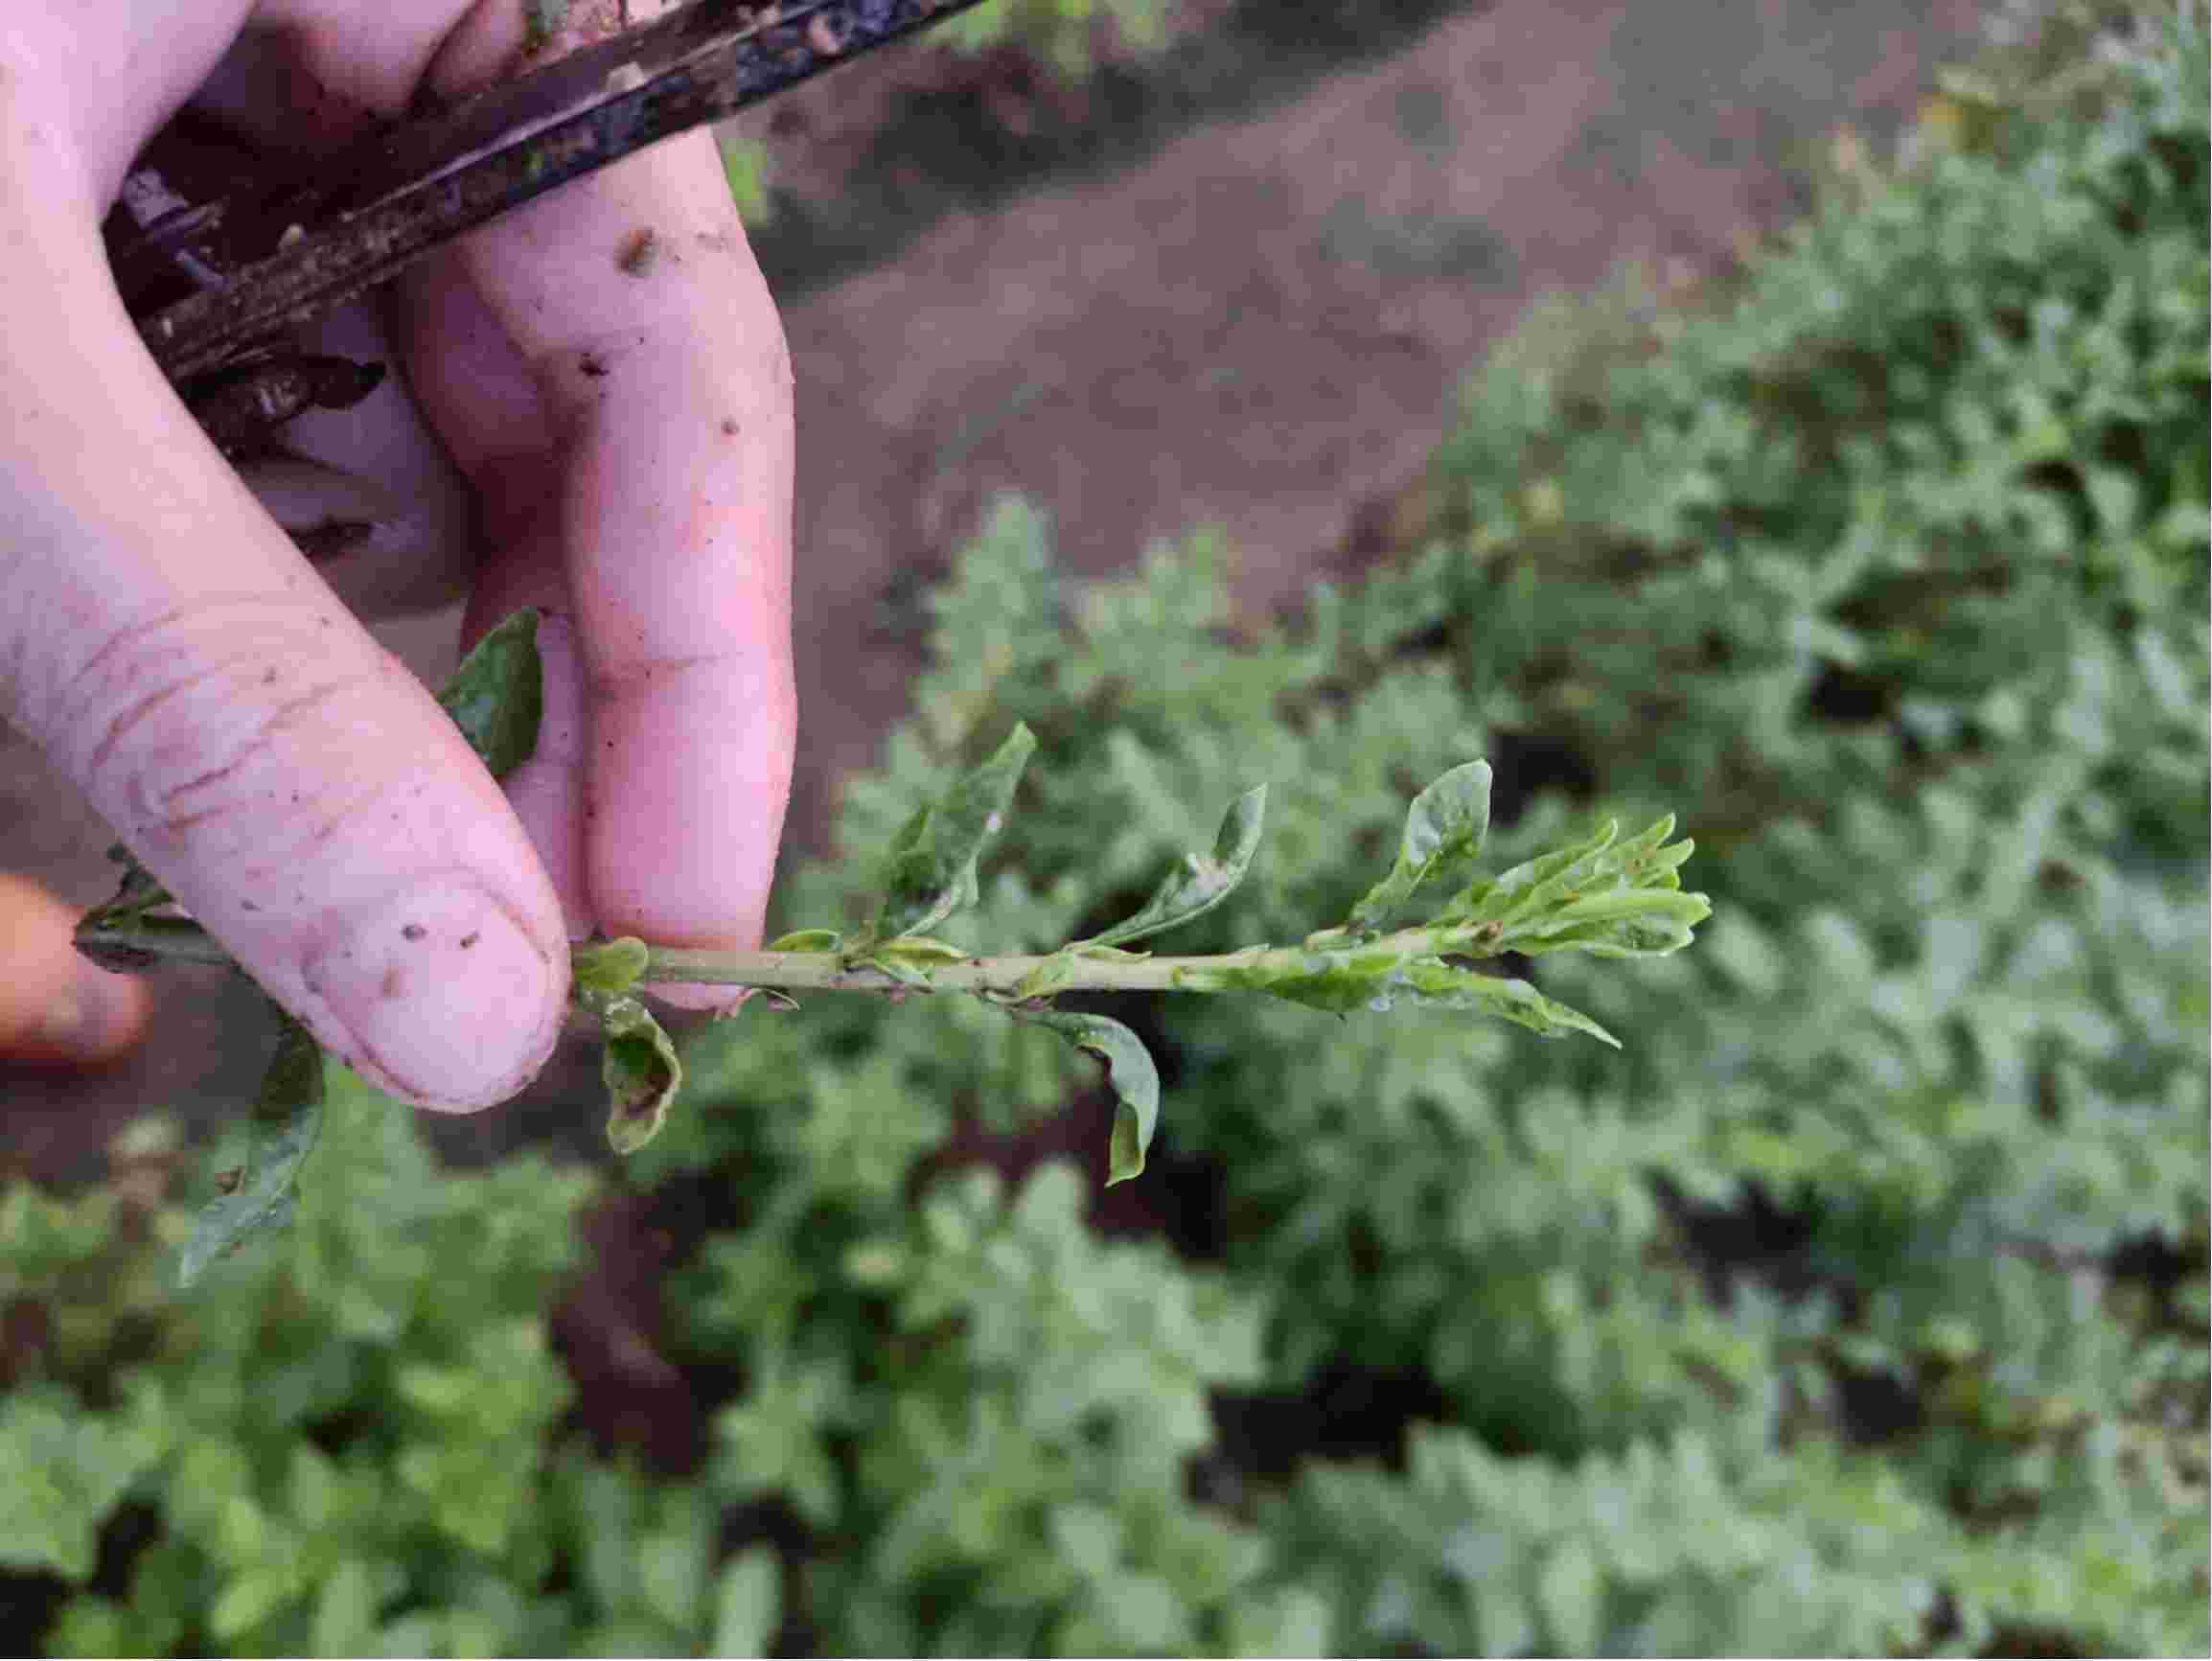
1237,284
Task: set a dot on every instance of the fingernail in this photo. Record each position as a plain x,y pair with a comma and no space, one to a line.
442,996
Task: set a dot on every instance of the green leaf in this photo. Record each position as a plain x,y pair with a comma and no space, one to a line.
923,950
1522,889
288,1117
1048,977
1571,1593
806,941
139,892
613,966
345,1613
672,1566
1629,923
747,1604
639,1065
497,696
251,1598
1432,983
1608,899
67,1470
1202,880
930,872
1443,832
900,969
1381,978
1136,1080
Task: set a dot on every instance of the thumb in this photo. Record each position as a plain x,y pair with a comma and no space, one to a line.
55,1006
289,781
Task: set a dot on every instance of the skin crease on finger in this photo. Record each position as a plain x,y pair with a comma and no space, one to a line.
657,800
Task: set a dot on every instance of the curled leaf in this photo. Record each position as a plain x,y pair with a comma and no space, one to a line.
138,893
1444,833
1626,923
1382,976
497,696
806,941
1048,977
930,872
611,966
1201,882
1528,886
1431,984
1129,1066
288,1117
1608,898
921,949
640,1067
904,970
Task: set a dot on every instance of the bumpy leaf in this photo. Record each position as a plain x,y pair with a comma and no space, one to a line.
1135,1081
1432,983
640,1069
1202,880
1611,900
922,949
288,1117
610,967
497,696
931,870
1444,833
1495,899
805,940
1382,976
138,893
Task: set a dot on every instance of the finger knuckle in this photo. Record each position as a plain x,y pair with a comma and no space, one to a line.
213,724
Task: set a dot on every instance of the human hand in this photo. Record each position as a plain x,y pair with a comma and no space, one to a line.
627,442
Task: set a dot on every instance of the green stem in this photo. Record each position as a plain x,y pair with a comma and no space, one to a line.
187,942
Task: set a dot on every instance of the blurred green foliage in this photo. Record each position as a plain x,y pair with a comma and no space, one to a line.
1857,1306
1060,33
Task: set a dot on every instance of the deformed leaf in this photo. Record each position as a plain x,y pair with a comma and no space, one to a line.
1626,923
904,970
1431,984
1379,978
930,872
1048,977
922,949
639,1065
497,696
806,941
1443,832
1129,1065
1201,882
1610,899
288,1117
610,966
1496,899
139,892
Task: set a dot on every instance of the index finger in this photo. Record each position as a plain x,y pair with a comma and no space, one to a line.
660,360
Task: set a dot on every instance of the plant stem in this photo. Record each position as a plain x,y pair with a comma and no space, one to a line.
827,972
184,941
